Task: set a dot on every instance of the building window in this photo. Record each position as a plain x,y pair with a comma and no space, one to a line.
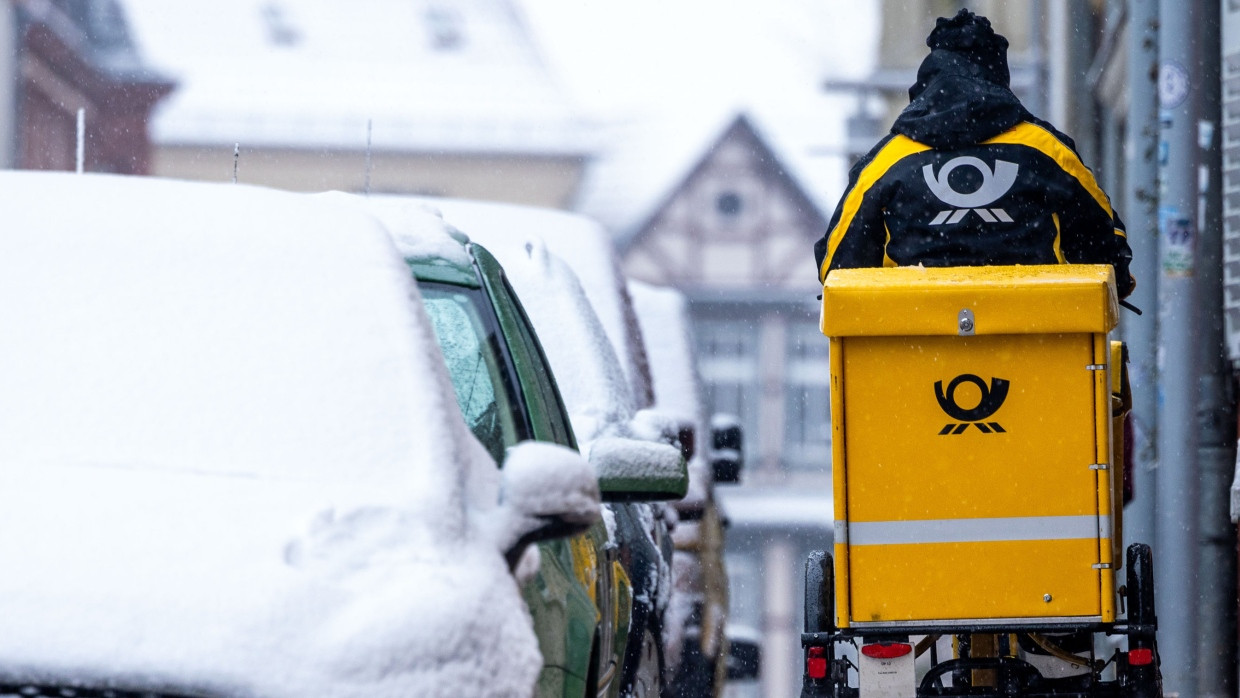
745,589
280,29
444,25
729,204
807,399
728,362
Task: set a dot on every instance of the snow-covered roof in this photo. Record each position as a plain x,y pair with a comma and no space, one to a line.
647,158
231,461
668,78
427,74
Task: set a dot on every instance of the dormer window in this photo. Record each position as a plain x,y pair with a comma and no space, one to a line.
280,29
445,27
729,204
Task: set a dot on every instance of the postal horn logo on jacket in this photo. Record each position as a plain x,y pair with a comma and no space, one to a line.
993,396
995,184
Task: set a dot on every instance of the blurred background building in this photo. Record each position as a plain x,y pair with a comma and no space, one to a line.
66,56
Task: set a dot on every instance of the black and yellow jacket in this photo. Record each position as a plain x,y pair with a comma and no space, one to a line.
969,177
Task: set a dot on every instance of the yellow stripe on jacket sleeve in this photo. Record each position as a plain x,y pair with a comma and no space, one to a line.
1044,141
896,149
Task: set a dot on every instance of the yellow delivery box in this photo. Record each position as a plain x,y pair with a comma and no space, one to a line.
971,417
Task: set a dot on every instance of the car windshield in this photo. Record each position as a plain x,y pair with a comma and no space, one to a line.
471,346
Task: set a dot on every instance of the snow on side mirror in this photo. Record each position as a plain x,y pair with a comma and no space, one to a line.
658,425
633,470
547,491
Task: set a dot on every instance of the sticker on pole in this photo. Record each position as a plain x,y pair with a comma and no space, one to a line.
1179,237
1172,85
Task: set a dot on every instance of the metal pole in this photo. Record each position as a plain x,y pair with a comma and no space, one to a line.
1216,415
1037,97
1140,213
1175,549
1058,60
366,184
80,158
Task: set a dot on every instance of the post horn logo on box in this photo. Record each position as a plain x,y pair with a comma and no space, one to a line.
993,396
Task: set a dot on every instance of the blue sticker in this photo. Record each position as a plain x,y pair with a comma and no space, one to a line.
1179,236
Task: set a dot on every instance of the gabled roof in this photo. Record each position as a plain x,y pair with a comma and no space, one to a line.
427,74
648,160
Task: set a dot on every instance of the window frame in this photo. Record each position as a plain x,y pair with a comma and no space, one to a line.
481,304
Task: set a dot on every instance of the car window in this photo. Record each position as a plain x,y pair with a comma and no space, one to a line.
471,348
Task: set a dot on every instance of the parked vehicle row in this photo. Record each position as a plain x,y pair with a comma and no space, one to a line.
563,269
261,443
613,563
651,390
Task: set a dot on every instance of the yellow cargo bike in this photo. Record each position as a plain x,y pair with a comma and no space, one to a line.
977,466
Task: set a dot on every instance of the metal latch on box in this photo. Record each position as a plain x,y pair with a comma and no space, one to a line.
964,321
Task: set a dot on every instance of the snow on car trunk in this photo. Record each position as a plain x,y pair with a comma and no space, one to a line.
230,459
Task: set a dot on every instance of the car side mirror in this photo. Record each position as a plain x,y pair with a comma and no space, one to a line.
744,661
727,449
547,491
635,470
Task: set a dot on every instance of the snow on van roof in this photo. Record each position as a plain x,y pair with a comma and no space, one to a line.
230,451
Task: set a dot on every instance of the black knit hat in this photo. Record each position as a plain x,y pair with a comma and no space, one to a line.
964,45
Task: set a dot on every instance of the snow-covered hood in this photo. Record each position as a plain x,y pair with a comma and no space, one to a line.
246,587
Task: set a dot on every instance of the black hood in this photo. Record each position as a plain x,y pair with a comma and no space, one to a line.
962,95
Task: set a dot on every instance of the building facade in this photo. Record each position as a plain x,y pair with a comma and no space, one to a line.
70,56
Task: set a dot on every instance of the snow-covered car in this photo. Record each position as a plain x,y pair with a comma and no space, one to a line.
231,461
508,392
566,273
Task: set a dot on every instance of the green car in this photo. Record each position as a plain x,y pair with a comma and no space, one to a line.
581,597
